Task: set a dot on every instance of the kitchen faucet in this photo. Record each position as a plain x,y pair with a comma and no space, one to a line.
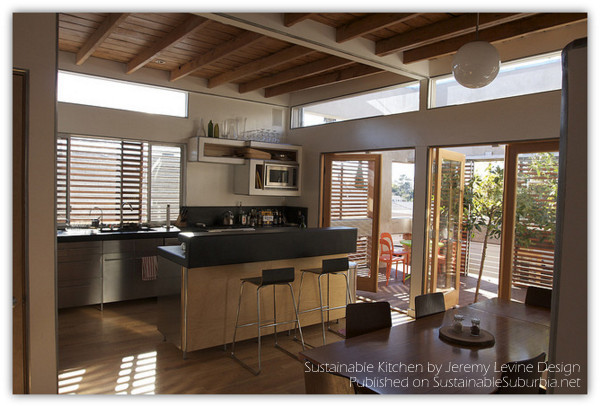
125,203
98,219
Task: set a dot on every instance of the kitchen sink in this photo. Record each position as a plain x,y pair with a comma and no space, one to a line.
126,229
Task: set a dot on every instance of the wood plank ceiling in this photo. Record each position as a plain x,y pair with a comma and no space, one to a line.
186,44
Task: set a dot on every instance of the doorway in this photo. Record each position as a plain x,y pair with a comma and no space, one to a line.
382,205
351,197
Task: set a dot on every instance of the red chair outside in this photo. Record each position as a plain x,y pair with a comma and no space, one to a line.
403,253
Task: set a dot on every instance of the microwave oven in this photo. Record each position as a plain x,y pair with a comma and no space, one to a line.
278,175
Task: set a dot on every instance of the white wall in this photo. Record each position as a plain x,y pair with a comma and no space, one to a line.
34,49
207,184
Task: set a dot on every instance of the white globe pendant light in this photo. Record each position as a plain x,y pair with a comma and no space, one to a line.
476,64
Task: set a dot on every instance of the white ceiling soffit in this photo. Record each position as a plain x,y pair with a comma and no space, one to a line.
320,37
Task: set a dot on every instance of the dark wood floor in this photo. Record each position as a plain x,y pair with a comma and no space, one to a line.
119,350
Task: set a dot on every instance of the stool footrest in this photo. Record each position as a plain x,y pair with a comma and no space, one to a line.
267,325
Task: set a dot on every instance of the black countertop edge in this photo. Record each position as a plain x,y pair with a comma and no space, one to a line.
206,249
174,253
87,235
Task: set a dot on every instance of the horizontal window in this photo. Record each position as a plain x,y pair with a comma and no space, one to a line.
521,77
119,181
110,93
399,99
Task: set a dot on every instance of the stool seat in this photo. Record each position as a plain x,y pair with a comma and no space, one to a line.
253,280
270,277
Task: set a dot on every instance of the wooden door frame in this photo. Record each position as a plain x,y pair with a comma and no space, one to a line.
367,284
19,234
509,207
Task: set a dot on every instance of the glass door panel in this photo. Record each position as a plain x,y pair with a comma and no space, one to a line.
445,224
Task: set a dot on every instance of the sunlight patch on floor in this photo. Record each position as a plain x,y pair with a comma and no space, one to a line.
68,382
137,374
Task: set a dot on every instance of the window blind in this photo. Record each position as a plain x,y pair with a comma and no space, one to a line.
349,190
110,178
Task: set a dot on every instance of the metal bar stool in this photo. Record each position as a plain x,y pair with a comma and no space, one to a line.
271,277
332,266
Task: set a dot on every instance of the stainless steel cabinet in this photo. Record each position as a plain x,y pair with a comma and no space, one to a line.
79,273
123,269
107,271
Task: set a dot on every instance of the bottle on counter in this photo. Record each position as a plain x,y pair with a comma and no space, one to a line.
259,219
301,220
252,218
242,217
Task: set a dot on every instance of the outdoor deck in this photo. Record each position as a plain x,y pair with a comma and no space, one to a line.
397,293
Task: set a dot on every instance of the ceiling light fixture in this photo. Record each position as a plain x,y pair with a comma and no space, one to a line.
476,64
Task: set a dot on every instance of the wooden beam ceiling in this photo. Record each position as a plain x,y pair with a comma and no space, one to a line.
353,72
443,30
302,71
369,24
273,60
107,27
215,54
209,47
192,23
290,19
502,32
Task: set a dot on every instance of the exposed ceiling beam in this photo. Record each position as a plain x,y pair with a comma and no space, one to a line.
221,51
352,72
321,38
502,32
443,30
370,23
111,22
289,19
301,71
173,37
273,60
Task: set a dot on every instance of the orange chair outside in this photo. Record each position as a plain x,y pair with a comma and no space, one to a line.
403,253
387,257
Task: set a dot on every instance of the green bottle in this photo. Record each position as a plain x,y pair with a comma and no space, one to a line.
210,129
217,130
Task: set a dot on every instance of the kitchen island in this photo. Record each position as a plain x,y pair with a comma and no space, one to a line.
209,265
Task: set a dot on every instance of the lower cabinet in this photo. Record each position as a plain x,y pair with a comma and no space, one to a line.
79,273
108,271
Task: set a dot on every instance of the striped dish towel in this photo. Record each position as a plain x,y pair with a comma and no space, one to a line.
149,268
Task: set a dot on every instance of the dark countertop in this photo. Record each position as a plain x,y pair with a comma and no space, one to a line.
235,246
84,235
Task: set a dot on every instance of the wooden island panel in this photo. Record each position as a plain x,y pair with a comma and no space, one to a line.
205,311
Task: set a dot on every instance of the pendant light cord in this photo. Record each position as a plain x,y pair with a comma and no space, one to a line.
477,29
